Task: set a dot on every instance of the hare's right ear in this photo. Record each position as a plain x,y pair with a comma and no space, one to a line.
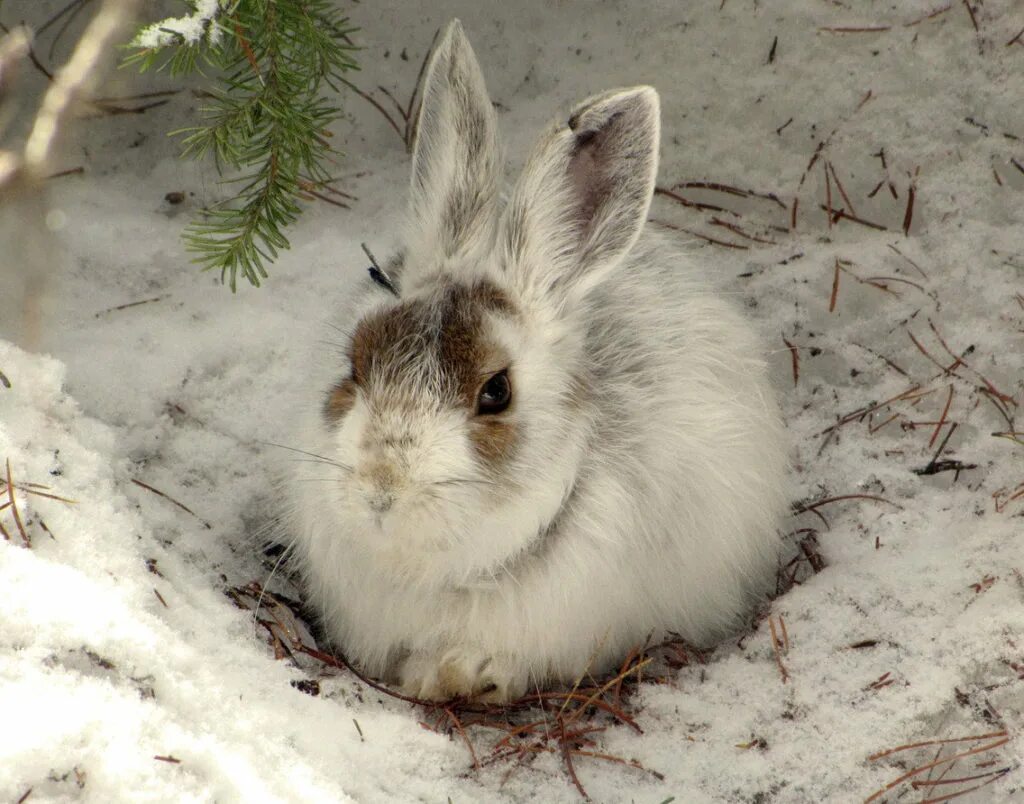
583,197
456,160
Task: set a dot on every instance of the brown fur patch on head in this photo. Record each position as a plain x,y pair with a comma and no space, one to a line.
443,332
435,347
494,439
340,400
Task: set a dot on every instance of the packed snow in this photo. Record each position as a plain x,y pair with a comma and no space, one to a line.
138,425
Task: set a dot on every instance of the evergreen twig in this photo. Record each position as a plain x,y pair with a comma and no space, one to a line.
266,119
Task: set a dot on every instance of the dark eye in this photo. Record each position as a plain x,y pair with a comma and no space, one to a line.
495,395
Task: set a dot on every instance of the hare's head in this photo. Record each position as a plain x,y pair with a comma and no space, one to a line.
466,404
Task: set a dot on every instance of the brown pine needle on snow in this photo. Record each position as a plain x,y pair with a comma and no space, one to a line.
795,355
935,763
942,419
14,508
171,500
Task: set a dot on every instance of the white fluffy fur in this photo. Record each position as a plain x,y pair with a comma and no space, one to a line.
648,478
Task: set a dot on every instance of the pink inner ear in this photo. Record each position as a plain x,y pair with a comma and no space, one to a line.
589,168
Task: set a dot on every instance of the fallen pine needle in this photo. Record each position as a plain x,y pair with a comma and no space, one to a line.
14,507
777,649
934,764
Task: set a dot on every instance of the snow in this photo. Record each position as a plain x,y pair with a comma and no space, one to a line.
184,393
190,29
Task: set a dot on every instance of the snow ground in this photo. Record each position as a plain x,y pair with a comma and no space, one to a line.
117,642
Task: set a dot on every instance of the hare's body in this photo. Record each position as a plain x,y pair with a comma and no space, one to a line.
557,441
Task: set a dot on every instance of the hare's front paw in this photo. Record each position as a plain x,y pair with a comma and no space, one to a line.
462,673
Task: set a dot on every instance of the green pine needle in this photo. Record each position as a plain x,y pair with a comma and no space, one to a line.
266,118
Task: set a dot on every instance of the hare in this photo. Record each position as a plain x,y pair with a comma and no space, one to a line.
549,438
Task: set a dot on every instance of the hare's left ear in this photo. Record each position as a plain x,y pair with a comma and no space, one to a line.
456,160
583,197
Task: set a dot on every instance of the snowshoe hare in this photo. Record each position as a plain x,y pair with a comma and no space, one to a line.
547,437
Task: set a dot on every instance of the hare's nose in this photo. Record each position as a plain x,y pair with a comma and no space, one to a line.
381,486
381,501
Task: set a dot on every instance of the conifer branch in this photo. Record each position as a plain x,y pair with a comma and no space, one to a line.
266,120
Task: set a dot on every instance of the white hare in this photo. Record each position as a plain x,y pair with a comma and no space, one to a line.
548,437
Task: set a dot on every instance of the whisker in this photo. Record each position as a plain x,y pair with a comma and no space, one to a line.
458,481
263,590
344,466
